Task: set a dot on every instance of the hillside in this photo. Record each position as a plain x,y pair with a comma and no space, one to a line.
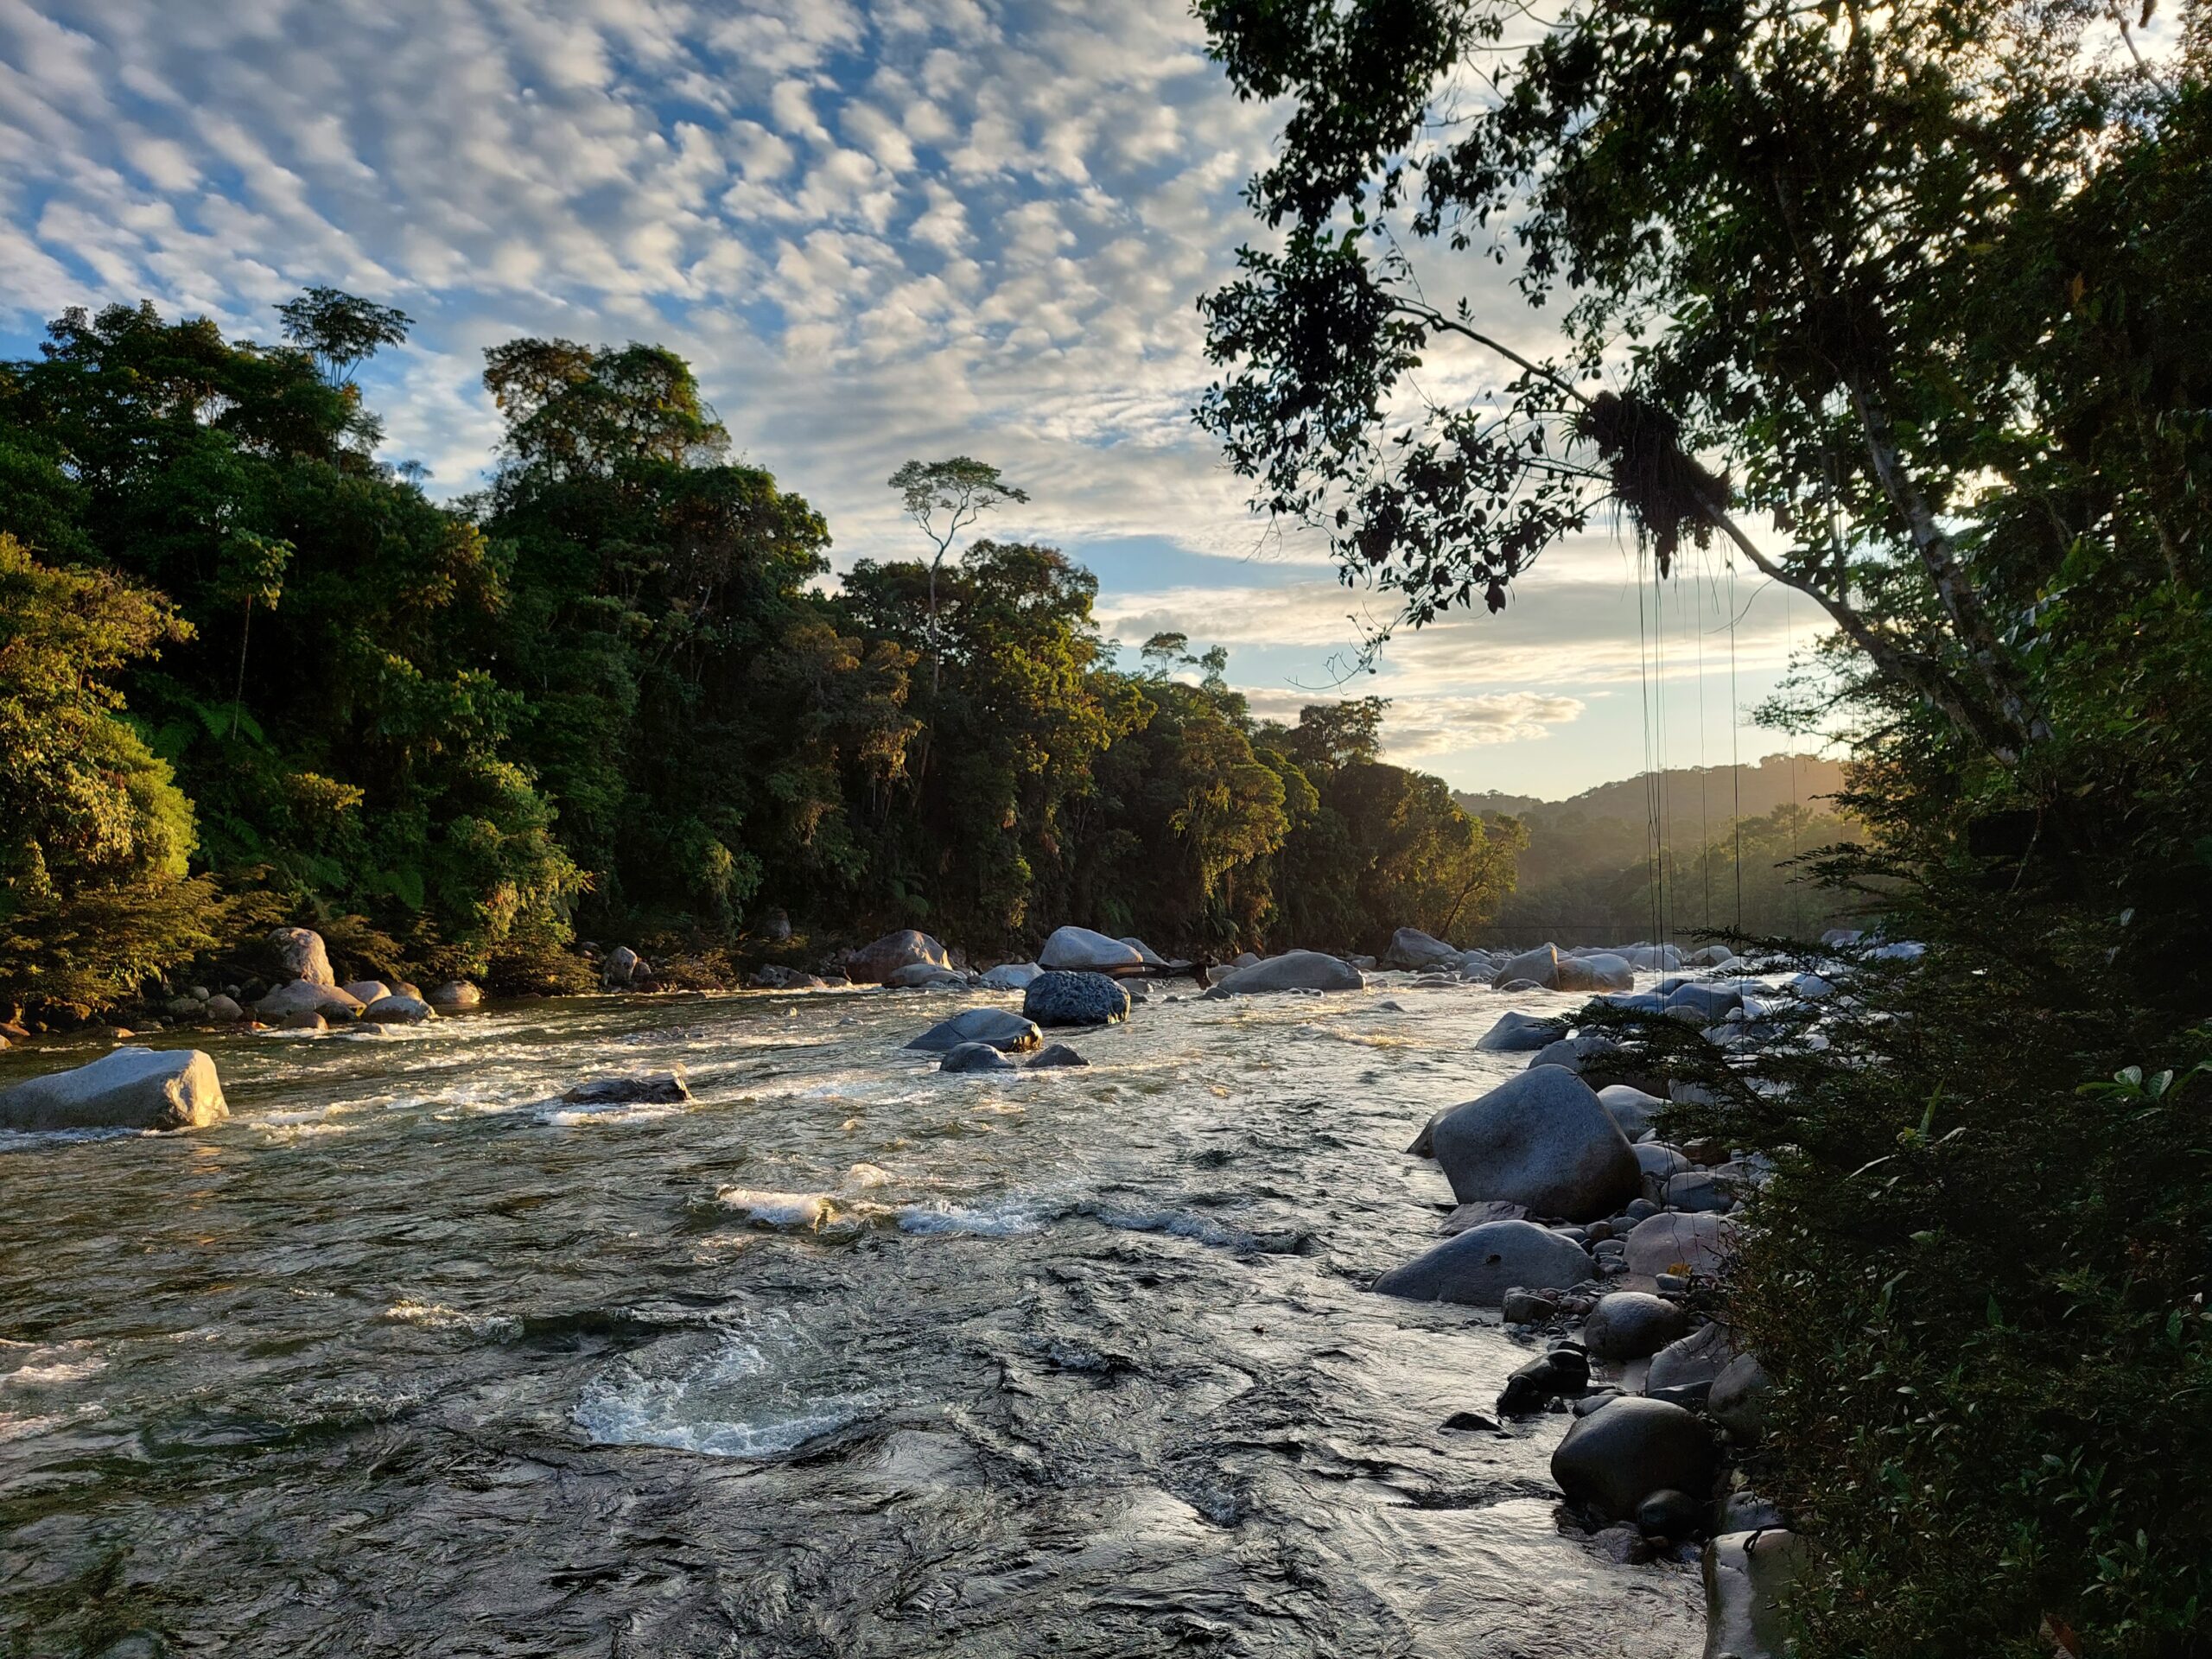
1591,865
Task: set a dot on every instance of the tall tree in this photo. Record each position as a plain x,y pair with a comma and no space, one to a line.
944,498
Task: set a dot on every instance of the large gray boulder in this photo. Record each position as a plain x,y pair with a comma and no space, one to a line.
1540,1139
125,1089
300,954
1079,950
365,991
1701,1244
1626,1450
872,964
1001,1028
308,996
1293,970
1709,1001
1479,1266
1631,1325
1604,972
1411,948
1521,1033
1748,1577
1151,957
1737,1400
1011,977
1539,967
223,1008
1586,1051
622,966
1692,1363
399,1011
454,994
1660,1163
1633,1109
1063,999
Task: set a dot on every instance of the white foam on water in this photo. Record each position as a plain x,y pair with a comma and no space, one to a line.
26,1139
49,1366
1009,1218
807,1210
436,1316
724,1404
862,1178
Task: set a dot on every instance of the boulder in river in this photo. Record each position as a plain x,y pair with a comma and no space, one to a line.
1002,1029
872,964
1633,1109
1293,970
1626,1450
1539,1139
1687,1368
1586,1051
663,1089
1411,948
1055,1056
1151,957
1078,950
1521,1033
125,1089
1474,1215
1483,1263
1011,977
223,1008
365,991
1699,1244
775,976
1748,1576
1602,972
1631,1325
622,967
1709,1001
305,997
1548,1377
399,1011
1539,968
300,954
305,1020
1064,999
453,994
976,1057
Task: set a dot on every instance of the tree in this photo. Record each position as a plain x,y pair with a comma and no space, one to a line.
943,498
341,331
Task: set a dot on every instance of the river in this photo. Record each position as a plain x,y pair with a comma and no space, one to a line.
844,1357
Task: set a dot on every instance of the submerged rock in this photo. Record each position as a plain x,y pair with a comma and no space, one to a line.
667,1087
1619,1455
1054,1057
1540,1139
1483,1263
1064,999
976,1057
1293,970
1000,1028
126,1089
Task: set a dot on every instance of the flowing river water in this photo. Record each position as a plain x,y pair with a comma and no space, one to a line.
843,1357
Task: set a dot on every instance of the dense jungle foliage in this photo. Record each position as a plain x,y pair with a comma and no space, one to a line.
1923,286
249,674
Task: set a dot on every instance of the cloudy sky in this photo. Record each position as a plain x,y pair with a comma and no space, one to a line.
879,232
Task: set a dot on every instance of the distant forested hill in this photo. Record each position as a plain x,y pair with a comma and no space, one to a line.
1594,868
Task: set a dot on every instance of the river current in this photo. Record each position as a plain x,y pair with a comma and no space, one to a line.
841,1358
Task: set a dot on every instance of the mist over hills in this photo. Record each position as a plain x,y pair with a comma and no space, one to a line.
1679,851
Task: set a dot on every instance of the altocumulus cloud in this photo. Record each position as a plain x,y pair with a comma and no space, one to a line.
878,231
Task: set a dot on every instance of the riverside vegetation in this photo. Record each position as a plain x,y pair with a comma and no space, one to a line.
1923,288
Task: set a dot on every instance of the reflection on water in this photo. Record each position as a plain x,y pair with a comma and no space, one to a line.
843,1357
